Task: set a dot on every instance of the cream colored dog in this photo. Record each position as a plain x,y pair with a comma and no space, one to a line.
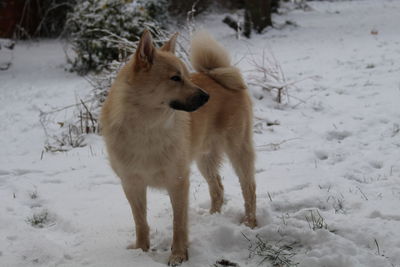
158,118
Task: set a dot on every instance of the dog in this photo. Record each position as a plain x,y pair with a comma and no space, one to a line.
158,118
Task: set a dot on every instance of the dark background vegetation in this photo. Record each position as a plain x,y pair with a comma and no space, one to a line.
46,18
98,30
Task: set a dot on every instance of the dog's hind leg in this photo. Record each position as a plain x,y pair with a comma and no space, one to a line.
208,165
241,154
136,195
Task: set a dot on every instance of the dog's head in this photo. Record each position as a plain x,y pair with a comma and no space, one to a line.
162,79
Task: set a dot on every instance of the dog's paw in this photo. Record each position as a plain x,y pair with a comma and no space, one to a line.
144,247
177,258
215,208
216,204
250,222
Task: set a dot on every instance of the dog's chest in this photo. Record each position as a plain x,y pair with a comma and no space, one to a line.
152,151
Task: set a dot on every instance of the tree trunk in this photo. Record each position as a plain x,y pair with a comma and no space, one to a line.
259,12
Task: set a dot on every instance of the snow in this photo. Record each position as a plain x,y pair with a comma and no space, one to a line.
334,155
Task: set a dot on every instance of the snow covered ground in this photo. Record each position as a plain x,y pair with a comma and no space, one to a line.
328,175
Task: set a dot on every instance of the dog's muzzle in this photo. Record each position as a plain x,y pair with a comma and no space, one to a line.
192,103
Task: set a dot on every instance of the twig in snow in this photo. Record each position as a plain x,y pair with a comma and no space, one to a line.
377,246
269,196
362,193
273,146
224,262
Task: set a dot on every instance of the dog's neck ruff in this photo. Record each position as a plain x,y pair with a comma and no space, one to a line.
170,121
153,120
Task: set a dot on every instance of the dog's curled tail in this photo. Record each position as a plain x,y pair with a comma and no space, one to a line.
209,57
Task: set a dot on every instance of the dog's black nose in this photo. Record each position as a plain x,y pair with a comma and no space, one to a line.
202,97
192,103
199,99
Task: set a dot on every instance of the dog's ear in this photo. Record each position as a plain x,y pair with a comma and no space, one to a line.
169,46
144,55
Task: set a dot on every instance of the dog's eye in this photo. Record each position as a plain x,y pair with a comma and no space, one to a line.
176,78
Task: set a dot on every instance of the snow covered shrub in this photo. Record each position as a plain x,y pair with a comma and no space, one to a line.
268,75
6,55
96,27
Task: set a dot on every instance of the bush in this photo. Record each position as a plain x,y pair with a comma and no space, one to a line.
6,59
95,28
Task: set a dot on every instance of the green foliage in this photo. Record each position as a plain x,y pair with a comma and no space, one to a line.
96,28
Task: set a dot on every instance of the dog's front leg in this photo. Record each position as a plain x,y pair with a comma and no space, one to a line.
179,195
136,194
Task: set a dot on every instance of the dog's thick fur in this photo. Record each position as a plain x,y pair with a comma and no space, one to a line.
156,121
